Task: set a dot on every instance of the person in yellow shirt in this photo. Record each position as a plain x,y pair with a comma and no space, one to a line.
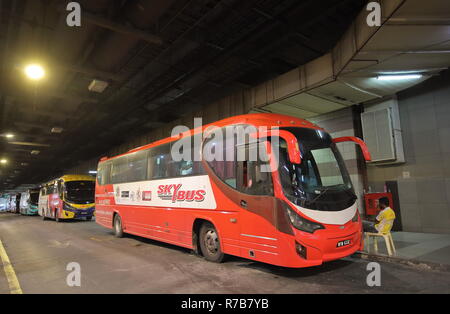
383,221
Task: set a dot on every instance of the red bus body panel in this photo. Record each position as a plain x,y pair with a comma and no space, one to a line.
241,232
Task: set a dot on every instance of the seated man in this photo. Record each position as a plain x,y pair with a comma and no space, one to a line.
383,222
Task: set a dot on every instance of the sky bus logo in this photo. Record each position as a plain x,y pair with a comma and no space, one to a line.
174,193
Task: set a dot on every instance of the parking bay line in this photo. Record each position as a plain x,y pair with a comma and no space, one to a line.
13,282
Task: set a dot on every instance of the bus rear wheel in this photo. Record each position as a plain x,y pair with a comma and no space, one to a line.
210,243
118,231
57,216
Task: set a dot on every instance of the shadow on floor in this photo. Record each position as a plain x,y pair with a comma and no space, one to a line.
245,263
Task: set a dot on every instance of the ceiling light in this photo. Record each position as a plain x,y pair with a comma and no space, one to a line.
35,152
3,161
9,135
34,71
92,172
57,130
98,86
398,77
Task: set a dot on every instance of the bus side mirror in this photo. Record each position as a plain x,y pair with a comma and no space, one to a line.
358,141
294,153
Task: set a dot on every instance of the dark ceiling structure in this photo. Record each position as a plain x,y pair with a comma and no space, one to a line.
160,58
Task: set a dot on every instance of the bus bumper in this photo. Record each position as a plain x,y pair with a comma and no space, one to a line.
334,243
32,211
79,213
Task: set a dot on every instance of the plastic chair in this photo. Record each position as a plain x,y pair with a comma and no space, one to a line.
387,239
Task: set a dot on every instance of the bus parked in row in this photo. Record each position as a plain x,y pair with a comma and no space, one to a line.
302,212
68,197
29,202
14,203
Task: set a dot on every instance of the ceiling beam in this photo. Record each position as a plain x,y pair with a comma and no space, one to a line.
119,28
90,71
29,144
49,93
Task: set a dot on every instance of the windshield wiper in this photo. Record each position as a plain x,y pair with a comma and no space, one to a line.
320,194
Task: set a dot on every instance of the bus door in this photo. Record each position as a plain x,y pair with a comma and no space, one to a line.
257,201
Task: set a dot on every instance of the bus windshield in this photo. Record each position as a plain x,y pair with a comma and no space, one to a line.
34,197
320,181
79,192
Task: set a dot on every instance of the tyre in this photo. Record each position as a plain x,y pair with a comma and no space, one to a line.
88,218
57,216
210,243
118,230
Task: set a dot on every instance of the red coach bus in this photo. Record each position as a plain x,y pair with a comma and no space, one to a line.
302,212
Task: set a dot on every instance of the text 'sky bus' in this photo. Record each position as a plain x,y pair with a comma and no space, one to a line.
29,202
302,212
68,197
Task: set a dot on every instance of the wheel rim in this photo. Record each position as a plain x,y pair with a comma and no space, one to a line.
211,241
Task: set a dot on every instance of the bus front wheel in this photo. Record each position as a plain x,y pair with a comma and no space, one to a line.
118,231
57,216
210,243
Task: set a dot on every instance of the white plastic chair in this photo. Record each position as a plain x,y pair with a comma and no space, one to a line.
387,239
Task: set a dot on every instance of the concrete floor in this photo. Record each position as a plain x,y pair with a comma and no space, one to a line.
424,247
40,251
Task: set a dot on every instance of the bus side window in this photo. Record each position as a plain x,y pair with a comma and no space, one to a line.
104,173
50,188
119,170
197,166
158,162
223,167
137,165
253,177
60,188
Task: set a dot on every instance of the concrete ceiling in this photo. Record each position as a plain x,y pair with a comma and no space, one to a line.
415,38
161,59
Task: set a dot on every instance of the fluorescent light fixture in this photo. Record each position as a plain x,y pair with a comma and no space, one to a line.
399,77
3,161
57,130
92,172
9,135
98,86
34,72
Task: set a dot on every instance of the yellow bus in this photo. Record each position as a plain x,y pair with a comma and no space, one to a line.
68,197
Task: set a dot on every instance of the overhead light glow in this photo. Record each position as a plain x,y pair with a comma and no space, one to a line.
34,72
398,77
3,161
9,135
92,172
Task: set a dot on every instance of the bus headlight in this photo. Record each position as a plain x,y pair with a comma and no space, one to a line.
301,223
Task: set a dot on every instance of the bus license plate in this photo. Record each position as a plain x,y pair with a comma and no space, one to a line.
343,243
